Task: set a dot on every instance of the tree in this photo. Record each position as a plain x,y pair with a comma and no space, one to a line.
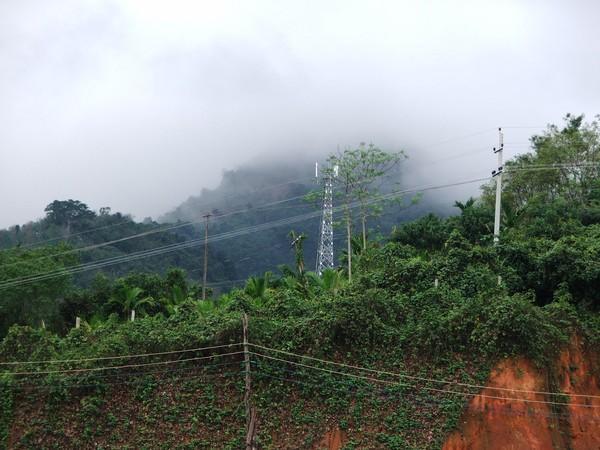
358,172
298,245
428,233
173,302
256,287
475,221
28,301
64,213
128,299
563,163
331,280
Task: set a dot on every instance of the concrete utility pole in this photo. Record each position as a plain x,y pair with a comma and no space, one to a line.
206,217
498,175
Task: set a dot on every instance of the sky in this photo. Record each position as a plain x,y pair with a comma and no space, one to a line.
138,104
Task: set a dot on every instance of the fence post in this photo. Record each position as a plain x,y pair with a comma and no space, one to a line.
77,322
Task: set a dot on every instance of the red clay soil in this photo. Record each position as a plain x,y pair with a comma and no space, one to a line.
494,424
333,440
578,375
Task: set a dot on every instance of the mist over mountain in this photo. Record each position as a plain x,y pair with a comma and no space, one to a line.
267,191
259,193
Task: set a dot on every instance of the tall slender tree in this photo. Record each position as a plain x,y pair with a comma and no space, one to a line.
359,172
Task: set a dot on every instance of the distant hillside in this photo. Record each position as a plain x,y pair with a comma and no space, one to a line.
252,195
260,194
79,227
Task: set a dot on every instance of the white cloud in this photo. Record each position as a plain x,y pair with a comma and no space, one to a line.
108,101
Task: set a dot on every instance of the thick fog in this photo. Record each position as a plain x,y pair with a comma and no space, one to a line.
139,104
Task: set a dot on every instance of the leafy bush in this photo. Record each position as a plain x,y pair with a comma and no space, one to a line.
513,324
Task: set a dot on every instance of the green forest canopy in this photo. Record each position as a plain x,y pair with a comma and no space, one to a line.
549,246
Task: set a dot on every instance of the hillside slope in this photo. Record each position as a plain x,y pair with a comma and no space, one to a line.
493,423
246,197
440,337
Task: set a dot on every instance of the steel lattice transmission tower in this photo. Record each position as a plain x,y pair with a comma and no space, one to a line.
325,249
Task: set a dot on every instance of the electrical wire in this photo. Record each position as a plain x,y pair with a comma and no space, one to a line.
69,236
432,402
156,251
157,230
228,235
336,372
126,366
542,168
114,376
523,127
154,231
411,377
75,386
458,138
298,180
104,358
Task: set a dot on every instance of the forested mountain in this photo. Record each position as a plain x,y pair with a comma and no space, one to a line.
256,194
268,192
102,235
92,245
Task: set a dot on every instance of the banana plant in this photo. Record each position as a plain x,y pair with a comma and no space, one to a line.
128,299
256,287
174,302
331,280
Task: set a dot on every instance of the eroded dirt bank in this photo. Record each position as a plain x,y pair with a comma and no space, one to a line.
496,423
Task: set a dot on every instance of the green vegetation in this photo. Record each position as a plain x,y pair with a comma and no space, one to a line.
70,224
391,316
357,171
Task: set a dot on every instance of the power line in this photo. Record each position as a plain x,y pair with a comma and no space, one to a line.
431,402
88,385
184,244
188,223
172,247
216,202
117,375
126,366
151,252
223,236
458,138
104,358
442,391
152,231
416,378
382,391
69,236
553,167
525,127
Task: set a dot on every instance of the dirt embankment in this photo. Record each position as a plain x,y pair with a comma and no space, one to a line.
333,440
493,423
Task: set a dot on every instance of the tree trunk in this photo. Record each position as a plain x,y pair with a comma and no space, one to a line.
364,231
349,242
